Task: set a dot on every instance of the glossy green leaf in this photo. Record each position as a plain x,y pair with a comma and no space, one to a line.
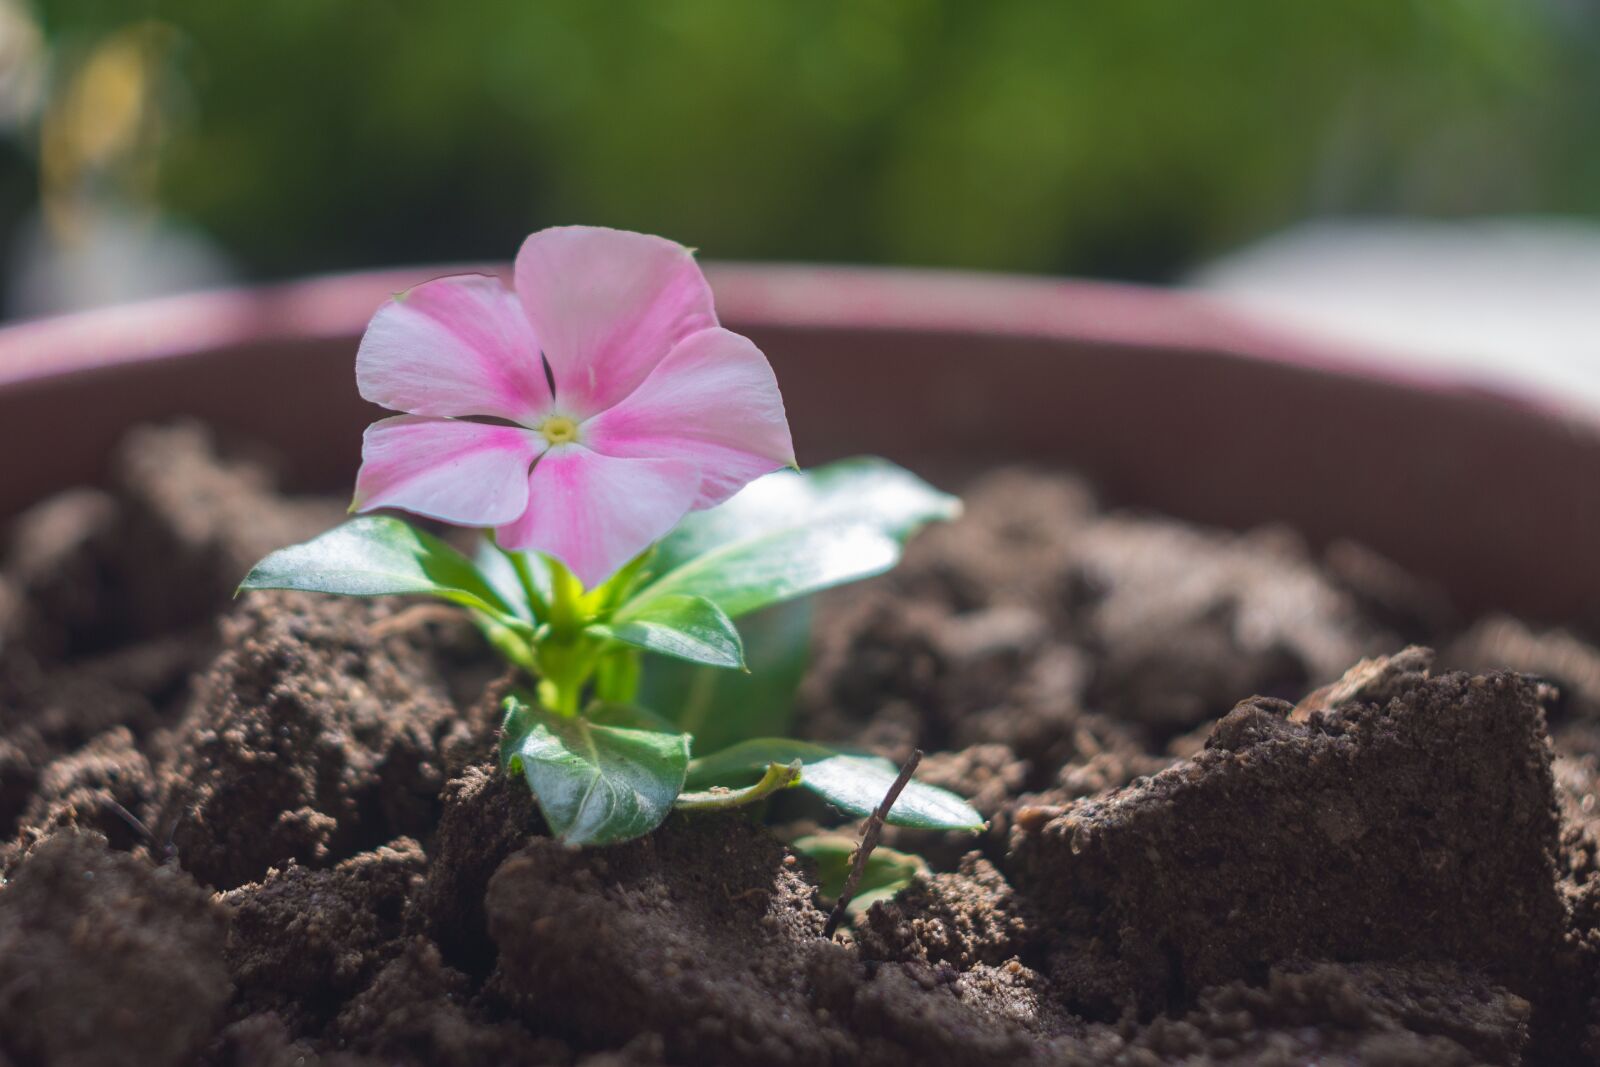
721,707
865,489
595,784
789,534
781,565
854,784
689,628
887,872
378,555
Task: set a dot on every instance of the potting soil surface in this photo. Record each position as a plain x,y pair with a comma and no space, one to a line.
1248,803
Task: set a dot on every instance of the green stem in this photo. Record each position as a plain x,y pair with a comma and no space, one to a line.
565,665
779,776
566,655
514,642
616,676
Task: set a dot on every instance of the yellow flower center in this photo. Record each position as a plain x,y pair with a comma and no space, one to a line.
559,430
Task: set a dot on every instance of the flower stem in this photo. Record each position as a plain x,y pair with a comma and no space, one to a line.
616,676
566,655
779,776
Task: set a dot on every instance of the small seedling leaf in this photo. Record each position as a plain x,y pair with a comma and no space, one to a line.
887,872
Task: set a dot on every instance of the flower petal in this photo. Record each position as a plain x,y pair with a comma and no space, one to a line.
594,513
454,346
608,306
470,473
713,401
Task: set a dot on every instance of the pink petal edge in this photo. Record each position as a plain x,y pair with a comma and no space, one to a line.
608,305
468,473
713,401
594,513
454,346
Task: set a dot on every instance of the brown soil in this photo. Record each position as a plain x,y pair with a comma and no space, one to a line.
1234,818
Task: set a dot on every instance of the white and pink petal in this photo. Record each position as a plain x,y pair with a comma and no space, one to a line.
594,513
713,401
454,346
468,473
608,305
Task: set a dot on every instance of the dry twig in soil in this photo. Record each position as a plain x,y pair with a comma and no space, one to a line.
869,841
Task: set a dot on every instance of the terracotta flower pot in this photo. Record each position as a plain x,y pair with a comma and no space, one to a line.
1165,401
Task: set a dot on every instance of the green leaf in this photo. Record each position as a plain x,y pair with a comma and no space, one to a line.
721,707
497,568
864,489
628,716
790,534
378,555
888,871
684,627
596,784
854,784
780,566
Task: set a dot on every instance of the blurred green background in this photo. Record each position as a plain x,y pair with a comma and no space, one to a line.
147,146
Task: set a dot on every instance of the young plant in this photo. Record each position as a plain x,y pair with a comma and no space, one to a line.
625,455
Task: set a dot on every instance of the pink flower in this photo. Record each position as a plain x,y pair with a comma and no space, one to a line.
642,409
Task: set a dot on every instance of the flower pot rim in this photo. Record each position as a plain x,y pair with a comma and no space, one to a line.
1165,399
750,295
